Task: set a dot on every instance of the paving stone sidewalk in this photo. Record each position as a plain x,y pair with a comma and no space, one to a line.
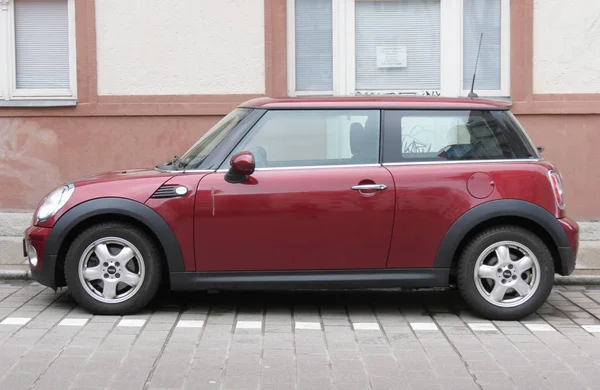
297,340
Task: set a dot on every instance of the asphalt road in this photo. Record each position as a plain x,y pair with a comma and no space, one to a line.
304,340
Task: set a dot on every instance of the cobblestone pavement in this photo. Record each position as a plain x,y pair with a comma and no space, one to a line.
305,340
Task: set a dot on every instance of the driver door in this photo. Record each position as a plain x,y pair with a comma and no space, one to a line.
318,200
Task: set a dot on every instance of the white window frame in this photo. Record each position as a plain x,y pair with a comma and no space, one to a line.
504,90
4,77
8,79
451,47
291,53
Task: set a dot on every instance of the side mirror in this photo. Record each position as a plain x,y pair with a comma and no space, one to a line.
242,166
540,149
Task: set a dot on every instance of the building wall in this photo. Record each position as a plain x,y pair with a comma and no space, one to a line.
566,46
128,115
37,154
174,47
147,88
571,143
555,89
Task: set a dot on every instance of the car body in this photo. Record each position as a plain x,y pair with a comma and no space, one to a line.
356,192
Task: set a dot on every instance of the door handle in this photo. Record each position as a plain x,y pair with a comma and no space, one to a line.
371,187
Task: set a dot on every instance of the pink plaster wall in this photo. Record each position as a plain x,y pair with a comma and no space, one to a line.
39,153
572,143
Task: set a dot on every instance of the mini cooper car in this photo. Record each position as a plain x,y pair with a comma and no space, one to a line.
357,192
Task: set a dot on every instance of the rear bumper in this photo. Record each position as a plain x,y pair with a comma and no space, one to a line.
568,254
35,239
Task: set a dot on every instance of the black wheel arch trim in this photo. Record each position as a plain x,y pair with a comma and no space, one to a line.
505,208
120,206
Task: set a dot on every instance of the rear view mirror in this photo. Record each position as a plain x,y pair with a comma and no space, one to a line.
241,166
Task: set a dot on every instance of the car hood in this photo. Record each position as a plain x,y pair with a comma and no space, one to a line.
134,184
128,174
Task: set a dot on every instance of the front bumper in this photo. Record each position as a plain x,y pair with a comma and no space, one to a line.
34,245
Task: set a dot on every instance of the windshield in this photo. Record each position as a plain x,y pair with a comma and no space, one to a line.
202,148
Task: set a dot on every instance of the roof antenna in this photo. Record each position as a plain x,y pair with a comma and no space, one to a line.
471,93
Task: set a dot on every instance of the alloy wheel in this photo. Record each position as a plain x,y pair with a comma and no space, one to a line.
507,274
111,270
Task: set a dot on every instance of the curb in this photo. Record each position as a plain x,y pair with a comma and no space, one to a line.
572,280
14,274
577,280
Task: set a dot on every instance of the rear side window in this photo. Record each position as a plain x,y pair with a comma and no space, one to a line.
412,136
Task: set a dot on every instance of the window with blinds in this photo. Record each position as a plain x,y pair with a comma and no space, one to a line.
314,45
397,45
41,29
346,47
482,16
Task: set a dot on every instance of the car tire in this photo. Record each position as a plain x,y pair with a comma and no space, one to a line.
487,273
102,284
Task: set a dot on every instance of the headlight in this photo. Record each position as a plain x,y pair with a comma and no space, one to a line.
54,202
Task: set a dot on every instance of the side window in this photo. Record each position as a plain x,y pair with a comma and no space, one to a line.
450,135
301,138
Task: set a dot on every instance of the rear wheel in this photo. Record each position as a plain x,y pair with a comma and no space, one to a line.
505,273
113,268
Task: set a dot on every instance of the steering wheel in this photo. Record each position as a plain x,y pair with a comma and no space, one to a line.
442,152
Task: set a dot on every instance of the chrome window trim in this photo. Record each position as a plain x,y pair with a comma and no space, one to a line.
516,160
184,171
519,160
299,167
198,171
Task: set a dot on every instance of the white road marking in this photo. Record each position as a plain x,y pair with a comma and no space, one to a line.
540,328
308,325
249,325
15,321
591,328
132,323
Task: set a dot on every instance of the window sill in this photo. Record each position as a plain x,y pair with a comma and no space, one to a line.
38,103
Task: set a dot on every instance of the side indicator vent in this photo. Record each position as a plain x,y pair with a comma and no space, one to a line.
169,192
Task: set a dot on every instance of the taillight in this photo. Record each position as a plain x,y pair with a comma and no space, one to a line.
557,188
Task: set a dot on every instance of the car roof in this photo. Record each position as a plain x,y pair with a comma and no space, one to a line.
376,102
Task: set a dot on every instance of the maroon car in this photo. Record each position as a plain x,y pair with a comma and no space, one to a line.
320,193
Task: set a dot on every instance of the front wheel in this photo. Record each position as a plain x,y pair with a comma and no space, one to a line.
505,273
113,268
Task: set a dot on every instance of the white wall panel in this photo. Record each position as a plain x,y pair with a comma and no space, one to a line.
170,47
566,46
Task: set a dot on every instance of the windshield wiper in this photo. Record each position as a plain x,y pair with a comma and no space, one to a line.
175,163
